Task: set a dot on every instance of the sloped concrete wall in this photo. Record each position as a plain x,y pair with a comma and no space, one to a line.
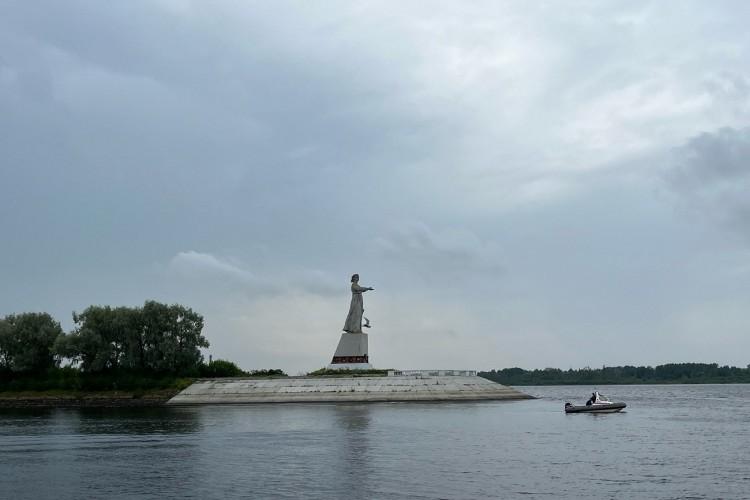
362,389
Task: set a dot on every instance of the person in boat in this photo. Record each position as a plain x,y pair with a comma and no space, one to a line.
592,399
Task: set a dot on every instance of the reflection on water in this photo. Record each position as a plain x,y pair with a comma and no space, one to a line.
101,420
673,442
65,453
352,423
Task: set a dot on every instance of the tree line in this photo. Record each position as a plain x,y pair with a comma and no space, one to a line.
156,338
671,373
108,346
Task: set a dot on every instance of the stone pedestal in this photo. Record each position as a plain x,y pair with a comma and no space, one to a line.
351,353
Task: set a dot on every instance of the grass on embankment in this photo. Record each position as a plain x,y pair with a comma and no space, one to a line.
63,398
327,372
66,387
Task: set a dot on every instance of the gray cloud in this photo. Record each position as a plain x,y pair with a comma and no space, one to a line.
212,271
451,256
711,172
201,265
245,159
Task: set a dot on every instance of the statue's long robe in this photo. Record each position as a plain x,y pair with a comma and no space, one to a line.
353,322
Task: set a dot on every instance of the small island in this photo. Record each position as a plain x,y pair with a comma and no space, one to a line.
351,378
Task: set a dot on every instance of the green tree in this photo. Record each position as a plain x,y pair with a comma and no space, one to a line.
100,339
5,342
172,337
27,340
154,338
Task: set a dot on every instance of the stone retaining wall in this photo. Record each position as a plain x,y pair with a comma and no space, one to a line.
345,389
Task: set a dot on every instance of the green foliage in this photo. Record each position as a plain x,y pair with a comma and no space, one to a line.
221,368
72,379
101,338
5,345
155,338
171,338
154,347
673,373
26,342
369,373
273,372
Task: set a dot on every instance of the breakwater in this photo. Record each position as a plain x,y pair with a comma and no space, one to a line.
440,385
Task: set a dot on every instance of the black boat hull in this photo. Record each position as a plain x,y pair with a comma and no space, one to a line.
599,408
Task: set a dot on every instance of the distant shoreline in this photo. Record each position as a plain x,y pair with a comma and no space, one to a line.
625,383
671,374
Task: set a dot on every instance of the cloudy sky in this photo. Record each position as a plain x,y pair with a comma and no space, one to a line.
524,183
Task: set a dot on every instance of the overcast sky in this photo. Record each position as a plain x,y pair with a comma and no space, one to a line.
525,184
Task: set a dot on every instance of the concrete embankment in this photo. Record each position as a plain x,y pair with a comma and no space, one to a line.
414,387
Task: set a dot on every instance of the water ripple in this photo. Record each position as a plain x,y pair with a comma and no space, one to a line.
674,442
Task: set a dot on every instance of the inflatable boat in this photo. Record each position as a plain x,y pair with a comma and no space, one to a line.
598,403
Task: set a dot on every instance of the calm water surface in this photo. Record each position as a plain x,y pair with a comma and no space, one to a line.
673,442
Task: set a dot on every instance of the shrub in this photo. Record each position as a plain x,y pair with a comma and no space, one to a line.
221,368
328,371
273,372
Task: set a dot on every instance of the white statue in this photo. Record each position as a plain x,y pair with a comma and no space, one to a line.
356,308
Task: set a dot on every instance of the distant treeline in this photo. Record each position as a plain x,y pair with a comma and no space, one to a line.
108,347
672,373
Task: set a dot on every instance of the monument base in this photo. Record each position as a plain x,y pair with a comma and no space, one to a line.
350,366
351,353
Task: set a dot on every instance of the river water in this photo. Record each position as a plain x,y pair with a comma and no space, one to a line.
674,441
